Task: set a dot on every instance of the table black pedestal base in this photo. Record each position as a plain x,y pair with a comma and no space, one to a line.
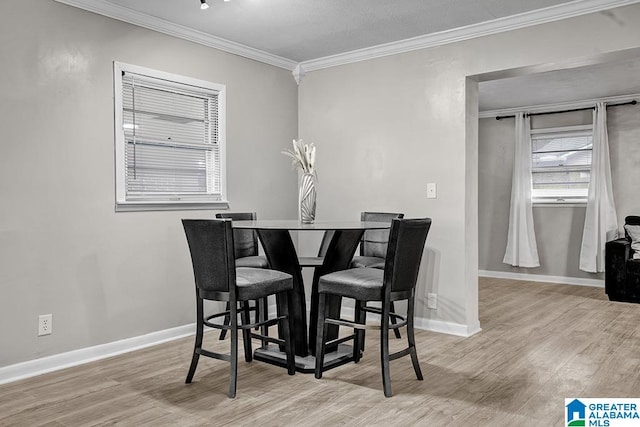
271,354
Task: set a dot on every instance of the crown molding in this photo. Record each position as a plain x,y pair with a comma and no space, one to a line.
130,16
298,73
547,108
523,20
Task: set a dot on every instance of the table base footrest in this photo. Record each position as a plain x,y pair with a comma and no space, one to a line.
306,365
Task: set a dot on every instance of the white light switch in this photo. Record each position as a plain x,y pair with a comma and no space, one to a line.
432,301
431,190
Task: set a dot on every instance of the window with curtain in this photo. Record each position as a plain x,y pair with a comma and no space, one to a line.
561,163
170,140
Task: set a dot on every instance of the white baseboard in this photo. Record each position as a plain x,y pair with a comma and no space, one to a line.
89,354
81,356
432,325
450,328
598,283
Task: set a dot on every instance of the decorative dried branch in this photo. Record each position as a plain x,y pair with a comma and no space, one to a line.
303,155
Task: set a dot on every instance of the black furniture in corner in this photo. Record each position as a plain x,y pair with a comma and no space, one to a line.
396,282
622,272
218,279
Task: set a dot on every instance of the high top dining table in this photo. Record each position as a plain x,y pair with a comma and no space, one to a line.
281,253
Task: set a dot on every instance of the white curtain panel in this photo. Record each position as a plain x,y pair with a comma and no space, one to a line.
522,250
600,223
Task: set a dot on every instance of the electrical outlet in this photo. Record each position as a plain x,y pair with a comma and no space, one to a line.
432,301
45,324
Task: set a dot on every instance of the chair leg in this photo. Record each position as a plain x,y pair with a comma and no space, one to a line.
321,335
258,311
384,352
233,370
198,343
364,322
287,330
411,340
394,320
246,333
263,302
360,318
227,317
264,315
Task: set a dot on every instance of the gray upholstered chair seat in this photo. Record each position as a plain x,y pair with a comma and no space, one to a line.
367,262
255,283
363,284
254,261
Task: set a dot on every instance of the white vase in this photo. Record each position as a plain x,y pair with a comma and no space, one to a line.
307,198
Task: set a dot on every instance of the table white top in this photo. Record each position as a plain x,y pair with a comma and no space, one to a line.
294,224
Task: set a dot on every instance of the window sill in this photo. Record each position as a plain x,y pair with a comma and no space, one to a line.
563,204
169,206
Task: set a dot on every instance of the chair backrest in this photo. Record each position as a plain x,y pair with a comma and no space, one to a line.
211,246
406,244
245,240
374,242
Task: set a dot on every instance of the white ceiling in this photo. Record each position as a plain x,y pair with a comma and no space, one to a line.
319,33
301,30
604,80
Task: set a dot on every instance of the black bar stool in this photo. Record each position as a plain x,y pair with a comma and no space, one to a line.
217,278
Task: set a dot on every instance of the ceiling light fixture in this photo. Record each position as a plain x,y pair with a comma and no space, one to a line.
203,4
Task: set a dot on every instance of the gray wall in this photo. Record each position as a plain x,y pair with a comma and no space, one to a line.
107,276
388,126
558,228
384,128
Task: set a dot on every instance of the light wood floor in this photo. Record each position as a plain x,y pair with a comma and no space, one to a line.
540,343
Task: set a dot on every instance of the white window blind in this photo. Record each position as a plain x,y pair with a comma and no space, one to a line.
561,164
171,139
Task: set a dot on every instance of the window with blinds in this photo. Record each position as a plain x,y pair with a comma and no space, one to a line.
169,140
561,164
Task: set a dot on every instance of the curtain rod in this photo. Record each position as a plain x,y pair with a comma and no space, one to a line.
634,102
